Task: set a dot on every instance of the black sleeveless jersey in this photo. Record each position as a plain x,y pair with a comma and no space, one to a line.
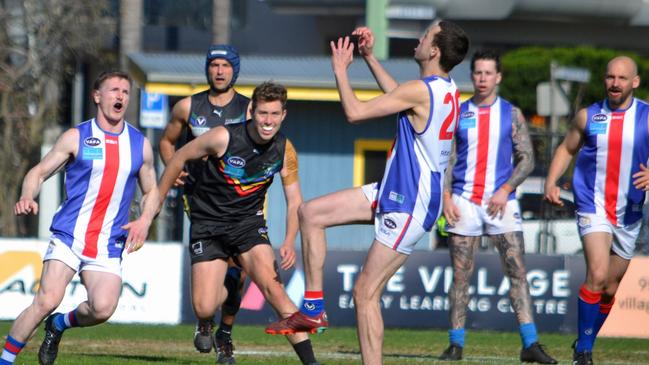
233,187
203,116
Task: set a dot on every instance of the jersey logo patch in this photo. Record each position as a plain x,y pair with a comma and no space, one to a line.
92,141
92,153
598,118
597,128
467,123
396,197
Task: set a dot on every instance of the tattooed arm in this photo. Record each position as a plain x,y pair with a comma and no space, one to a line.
524,157
523,150
451,211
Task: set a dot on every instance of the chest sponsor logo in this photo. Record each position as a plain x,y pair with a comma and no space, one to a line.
233,120
92,153
92,141
597,128
234,166
199,121
467,123
236,161
389,223
467,115
599,118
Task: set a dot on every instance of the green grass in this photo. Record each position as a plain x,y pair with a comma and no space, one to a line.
111,344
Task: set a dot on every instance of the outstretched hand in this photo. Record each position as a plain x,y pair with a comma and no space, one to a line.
342,54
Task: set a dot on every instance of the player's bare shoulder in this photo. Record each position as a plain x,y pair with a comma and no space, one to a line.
180,112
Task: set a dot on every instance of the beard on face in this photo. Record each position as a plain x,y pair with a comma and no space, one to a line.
218,90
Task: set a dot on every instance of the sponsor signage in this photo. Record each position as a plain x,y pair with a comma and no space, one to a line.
151,288
629,316
417,295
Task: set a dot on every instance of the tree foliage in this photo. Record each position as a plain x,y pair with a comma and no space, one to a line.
39,42
525,68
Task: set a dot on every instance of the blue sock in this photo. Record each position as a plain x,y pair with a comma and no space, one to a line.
528,334
456,336
588,310
313,303
64,321
234,272
604,310
10,351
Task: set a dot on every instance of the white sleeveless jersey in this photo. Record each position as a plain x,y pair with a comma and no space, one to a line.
616,142
414,173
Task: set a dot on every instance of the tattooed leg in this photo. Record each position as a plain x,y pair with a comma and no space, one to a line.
511,248
461,249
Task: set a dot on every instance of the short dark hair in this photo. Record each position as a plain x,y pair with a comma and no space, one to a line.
110,74
269,91
453,42
487,54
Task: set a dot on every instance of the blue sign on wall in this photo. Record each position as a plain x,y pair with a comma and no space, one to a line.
153,110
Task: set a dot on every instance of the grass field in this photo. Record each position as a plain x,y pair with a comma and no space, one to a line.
111,344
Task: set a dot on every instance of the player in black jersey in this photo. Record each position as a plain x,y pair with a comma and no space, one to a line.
227,206
191,117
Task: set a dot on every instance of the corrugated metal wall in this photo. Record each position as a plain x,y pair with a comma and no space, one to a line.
324,141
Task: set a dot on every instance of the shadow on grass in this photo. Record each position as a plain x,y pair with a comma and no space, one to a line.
392,355
152,359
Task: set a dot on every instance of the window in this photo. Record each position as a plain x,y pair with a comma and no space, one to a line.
370,156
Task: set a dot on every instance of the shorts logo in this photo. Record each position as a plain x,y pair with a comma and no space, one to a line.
236,161
92,141
584,222
263,231
389,223
396,197
598,118
467,115
386,232
197,248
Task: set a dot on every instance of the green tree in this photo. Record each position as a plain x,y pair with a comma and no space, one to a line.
526,67
39,42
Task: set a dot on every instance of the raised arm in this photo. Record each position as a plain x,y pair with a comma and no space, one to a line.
293,196
563,156
138,229
365,48
409,95
212,142
64,150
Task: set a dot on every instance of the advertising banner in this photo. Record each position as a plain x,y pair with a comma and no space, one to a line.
151,288
629,316
417,295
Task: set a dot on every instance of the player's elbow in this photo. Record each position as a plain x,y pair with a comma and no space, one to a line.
353,117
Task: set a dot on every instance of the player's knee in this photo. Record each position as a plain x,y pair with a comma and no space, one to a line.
304,213
361,295
46,302
309,217
597,279
103,309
